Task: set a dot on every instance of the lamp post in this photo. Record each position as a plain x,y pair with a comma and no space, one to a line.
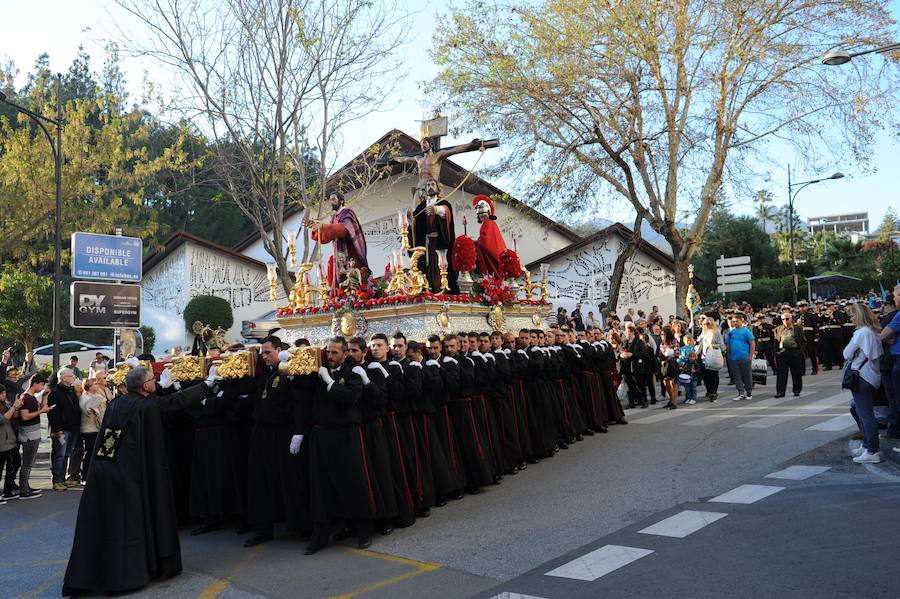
791,196
56,148
836,57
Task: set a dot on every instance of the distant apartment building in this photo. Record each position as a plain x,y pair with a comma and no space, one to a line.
854,224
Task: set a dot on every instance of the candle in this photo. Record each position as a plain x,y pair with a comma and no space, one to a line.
320,271
292,240
271,272
402,221
442,259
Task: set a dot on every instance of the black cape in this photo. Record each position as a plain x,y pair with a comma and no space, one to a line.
126,532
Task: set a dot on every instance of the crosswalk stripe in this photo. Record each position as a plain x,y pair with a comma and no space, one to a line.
682,524
509,595
746,494
771,420
838,423
599,562
798,472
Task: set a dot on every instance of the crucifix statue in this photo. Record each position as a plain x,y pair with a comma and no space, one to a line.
432,221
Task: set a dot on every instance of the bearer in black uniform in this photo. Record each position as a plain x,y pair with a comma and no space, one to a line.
765,340
340,479
810,323
277,488
830,326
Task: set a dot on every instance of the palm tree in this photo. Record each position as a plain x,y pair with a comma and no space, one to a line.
766,211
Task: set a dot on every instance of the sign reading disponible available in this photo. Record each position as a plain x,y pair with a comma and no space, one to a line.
106,257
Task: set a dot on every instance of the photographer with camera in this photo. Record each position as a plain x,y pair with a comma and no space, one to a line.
9,410
34,403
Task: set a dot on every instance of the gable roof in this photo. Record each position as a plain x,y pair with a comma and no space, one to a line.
178,239
613,229
452,175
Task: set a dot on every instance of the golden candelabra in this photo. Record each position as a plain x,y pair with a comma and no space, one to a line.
301,293
442,264
417,280
272,276
529,287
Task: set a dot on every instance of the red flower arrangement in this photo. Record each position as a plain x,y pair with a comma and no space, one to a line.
493,291
463,255
510,264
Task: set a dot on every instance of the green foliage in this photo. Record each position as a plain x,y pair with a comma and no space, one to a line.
149,336
733,236
889,225
26,306
210,310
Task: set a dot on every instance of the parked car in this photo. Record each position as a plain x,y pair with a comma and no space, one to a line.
86,353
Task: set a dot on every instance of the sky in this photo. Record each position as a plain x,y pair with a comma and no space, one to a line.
64,24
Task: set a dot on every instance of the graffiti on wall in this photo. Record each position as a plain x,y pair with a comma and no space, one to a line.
240,284
163,287
585,276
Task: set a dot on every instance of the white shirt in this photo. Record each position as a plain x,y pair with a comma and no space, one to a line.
868,344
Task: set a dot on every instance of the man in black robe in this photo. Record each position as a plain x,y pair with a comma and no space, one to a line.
126,533
277,481
340,479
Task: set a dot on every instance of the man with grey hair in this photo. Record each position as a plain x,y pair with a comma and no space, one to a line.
127,513
65,424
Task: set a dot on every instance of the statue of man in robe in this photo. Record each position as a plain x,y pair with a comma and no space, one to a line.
349,240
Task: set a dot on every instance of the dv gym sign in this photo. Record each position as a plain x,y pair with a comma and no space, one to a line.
105,305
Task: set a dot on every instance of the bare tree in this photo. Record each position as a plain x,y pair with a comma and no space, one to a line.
663,101
272,84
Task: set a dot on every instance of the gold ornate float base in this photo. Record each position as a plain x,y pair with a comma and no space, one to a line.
416,321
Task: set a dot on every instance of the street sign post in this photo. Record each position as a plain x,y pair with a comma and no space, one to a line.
105,305
733,274
106,257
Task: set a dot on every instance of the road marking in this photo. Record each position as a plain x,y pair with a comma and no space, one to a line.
216,587
682,524
838,423
39,590
769,421
798,472
747,494
34,523
419,568
508,595
599,562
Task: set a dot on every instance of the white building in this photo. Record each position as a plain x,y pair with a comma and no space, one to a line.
580,267
581,273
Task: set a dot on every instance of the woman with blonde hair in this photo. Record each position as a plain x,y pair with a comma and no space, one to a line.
863,377
711,345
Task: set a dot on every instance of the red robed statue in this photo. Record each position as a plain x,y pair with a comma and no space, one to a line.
490,242
348,237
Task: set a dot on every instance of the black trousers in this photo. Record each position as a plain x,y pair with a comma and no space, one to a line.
9,462
789,360
812,350
831,351
710,380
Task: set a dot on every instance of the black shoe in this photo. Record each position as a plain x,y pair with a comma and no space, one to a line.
203,529
652,402
256,540
523,466
796,395
588,432
440,501
578,437
32,494
631,405
495,480
242,529
643,405
315,547
425,512
562,444
511,471
621,421
364,542
457,495
777,395
385,530
474,490
532,460
603,429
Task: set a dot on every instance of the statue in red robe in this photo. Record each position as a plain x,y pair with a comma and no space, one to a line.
490,242
349,241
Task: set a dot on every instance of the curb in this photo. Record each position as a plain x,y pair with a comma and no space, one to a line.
887,451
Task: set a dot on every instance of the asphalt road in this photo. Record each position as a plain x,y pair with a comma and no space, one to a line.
831,534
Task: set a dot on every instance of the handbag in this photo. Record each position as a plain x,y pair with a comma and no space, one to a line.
850,377
713,358
622,391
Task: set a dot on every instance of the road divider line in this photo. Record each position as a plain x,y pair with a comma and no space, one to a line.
683,524
597,563
216,587
509,595
419,568
746,494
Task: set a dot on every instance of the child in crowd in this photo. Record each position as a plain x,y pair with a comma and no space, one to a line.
669,369
688,376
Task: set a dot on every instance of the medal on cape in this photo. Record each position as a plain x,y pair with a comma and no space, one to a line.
275,382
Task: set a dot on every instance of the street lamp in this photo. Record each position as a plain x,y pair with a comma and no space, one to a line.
838,57
56,148
791,196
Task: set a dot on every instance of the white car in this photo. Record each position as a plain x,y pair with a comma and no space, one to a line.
86,353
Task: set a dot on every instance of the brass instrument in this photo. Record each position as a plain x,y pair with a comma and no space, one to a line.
302,360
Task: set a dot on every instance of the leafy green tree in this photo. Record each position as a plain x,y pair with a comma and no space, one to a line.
765,211
26,306
149,337
889,225
209,310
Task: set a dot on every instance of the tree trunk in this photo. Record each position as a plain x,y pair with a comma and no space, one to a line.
615,281
682,280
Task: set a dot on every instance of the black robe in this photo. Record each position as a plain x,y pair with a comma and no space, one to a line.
126,532
435,233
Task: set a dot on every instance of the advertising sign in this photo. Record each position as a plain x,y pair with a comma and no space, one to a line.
106,257
105,305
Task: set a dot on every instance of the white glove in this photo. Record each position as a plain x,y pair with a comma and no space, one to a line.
491,356
284,356
449,359
165,379
296,440
476,353
432,363
416,364
325,375
377,366
362,374
212,377
133,362
397,364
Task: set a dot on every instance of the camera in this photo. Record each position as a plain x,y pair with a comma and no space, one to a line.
12,351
